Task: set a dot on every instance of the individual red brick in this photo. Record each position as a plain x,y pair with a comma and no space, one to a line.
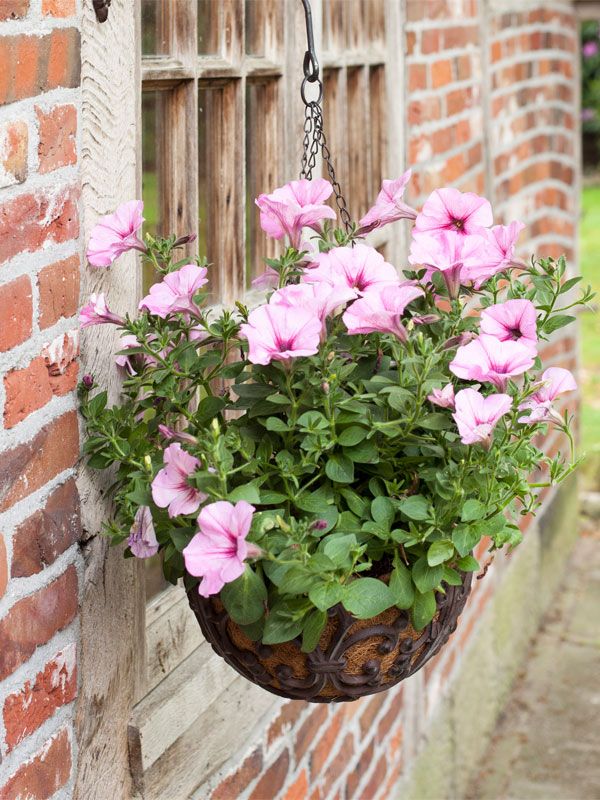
24,711
307,733
337,765
359,771
234,785
3,566
376,780
28,466
430,42
323,748
441,73
16,311
31,65
371,708
13,9
35,619
44,774
58,8
287,716
27,390
299,788
58,286
417,77
30,221
273,779
58,130
14,136
48,532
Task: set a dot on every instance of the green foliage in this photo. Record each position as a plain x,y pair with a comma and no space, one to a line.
364,493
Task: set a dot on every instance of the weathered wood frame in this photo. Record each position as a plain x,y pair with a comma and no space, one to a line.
149,683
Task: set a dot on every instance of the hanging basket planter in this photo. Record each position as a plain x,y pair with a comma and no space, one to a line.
354,658
320,468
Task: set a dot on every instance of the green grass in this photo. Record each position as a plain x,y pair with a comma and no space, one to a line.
590,332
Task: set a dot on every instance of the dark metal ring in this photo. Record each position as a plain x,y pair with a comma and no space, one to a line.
303,92
311,67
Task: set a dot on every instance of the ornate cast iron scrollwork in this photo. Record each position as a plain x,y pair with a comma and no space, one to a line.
354,658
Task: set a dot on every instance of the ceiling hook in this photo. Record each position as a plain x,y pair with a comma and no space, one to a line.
311,64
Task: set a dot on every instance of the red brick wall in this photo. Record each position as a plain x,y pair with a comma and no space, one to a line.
491,107
39,441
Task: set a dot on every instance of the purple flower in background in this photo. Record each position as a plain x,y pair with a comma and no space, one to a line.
590,49
142,538
588,114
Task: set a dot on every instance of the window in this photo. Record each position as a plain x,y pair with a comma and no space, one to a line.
222,122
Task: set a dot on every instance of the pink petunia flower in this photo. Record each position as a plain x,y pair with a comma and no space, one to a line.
115,234
488,360
476,416
170,434
555,381
280,333
513,320
142,539
389,206
176,292
96,312
321,298
297,205
590,49
453,254
170,487
361,268
500,252
268,279
218,551
381,311
452,210
127,342
442,397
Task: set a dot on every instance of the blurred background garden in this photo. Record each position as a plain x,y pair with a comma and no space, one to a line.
590,250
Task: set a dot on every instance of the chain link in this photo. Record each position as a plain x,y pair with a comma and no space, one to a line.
313,141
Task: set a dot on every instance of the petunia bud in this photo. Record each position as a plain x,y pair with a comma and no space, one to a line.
88,381
325,387
319,525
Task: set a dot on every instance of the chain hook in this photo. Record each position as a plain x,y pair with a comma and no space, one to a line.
311,63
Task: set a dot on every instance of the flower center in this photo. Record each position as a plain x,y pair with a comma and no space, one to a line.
459,224
515,333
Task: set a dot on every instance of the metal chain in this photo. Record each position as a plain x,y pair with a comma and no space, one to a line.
313,141
314,137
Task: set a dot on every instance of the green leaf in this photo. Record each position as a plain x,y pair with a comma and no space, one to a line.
383,511
558,321
326,595
468,564
245,597
426,577
297,580
356,504
415,507
280,629
268,498
465,537
424,609
340,469
435,422
364,453
98,403
254,631
314,502
312,421
401,585
276,424
249,493
472,510
439,552
451,577
367,597
314,626
208,408
337,547
352,435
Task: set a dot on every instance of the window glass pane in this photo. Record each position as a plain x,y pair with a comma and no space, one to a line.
378,126
154,28
203,168
208,26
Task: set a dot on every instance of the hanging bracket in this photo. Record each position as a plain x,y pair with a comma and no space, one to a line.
101,8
